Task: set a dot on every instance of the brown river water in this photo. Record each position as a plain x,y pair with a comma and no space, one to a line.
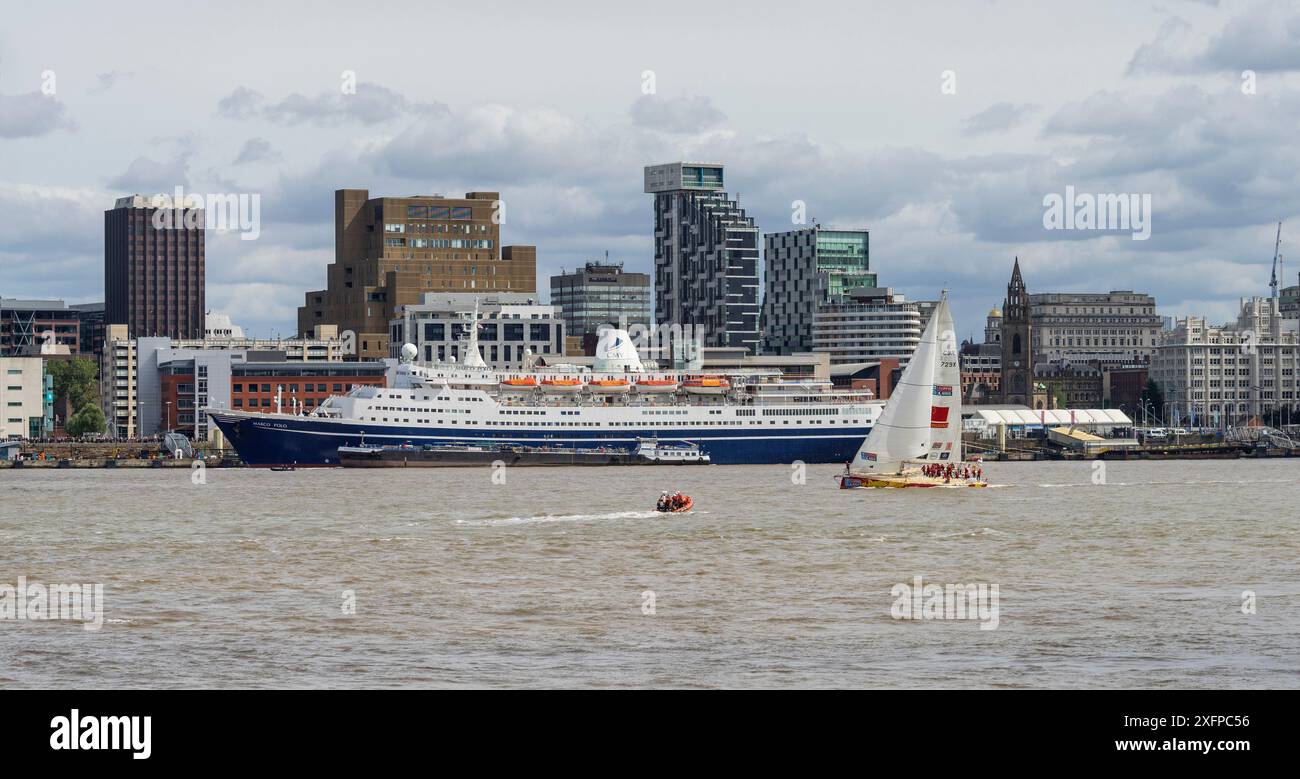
564,577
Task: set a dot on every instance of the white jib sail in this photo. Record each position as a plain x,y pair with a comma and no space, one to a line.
945,411
903,430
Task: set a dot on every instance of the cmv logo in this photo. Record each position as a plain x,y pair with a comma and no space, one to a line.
102,732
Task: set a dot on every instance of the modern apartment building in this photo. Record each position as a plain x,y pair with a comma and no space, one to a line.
131,373
601,294
389,251
509,327
1104,329
803,269
26,398
1225,375
153,276
706,256
869,325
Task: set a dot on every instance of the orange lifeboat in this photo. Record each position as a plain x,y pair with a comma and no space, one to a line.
609,386
561,386
707,385
653,386
518,385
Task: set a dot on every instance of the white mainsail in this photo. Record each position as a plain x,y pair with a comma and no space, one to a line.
903,430
945,414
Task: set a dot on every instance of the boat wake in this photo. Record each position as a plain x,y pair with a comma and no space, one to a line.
546,518
984,531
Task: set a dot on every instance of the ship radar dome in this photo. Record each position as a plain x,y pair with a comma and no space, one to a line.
408,352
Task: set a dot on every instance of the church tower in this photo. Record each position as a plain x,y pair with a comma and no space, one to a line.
1017,347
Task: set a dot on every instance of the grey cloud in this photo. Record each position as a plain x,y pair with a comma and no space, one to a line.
997,117
1173,50
51,243
371,104
147,176
257,150
243,103
106,81
494,142
1263,37
676,114
32,115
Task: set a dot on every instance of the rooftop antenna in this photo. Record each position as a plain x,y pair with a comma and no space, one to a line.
1277,260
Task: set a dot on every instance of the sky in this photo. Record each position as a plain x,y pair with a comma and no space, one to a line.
941,127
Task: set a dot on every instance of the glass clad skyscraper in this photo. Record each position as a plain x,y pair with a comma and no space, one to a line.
804,269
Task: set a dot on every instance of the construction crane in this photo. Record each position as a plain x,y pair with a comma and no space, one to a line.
1277,260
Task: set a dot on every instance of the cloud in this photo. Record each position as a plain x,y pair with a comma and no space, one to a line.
1266,37
257,150
146,175
1208,159
40,219
1263,37
243,103
32,115
1175,49
371,104
676,114
496,142
997,117
106,81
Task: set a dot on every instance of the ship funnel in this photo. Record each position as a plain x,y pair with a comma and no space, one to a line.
615,353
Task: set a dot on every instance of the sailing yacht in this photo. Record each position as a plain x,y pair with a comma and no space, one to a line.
916,442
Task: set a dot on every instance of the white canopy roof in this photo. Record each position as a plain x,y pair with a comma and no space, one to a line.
1053,417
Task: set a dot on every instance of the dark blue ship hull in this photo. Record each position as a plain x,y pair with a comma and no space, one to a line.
266,440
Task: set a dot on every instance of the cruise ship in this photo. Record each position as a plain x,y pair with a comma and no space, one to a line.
735,417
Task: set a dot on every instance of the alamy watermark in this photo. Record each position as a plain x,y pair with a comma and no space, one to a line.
94,732
40,602
1108,212
946,601
241,212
